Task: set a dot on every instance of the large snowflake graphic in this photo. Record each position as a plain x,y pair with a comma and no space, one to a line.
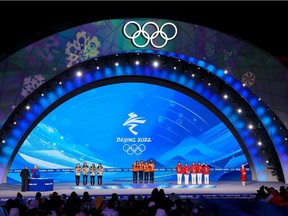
81,49
31,83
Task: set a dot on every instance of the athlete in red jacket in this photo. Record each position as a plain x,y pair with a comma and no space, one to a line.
193,170
179,171
186,172
206,171
199,171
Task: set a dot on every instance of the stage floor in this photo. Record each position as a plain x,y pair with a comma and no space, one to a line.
219,189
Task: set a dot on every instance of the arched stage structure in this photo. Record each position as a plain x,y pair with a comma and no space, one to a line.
116,91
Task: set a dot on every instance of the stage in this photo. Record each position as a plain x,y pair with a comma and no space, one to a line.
215,190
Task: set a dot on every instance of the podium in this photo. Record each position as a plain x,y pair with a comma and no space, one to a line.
40,184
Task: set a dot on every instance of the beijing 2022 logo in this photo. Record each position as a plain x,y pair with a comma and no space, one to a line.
134,145
144,33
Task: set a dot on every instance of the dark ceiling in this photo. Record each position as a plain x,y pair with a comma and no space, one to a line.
261,23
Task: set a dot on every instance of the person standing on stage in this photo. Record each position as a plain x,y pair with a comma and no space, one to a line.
100,170
199,173
85,170
186,172
179,171
92,171
135,167
141,170
146,171
151,171
25,176
206,171
77,172
193,170
243,176
35,172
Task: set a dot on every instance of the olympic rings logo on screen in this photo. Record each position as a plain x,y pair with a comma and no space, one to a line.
150,38
134,149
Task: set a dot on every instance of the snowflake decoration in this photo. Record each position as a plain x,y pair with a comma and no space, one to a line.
248,78
82,49
31,83
43,51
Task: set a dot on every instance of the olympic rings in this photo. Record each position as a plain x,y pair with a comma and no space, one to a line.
134,149
149,38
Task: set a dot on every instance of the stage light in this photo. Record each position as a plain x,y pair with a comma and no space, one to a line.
259,143
275,118
259,99
243,84
14,122
225,96
267,161
97,67
192,75
225,71
2,141
286,138
155,64
239,110
175,68
59,81
116,64
27,107
78,73
250,126
137,62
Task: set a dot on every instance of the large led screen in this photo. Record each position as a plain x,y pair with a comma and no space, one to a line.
117,124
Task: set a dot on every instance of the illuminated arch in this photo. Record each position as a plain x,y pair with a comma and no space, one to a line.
187,72
53,55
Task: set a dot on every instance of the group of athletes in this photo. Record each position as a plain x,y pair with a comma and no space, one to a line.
143,172
195,170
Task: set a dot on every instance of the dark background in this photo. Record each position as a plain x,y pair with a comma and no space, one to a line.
261,23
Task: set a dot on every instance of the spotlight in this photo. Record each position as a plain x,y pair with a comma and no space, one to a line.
59,82
137,62
155,64
116,64
250,126
259,143
78,73
239,110
27,107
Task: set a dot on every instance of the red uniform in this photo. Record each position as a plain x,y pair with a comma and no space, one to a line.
206,170
193,169
179,169
186,170
243,176
199,168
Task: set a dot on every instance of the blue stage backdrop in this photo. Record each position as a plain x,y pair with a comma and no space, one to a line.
119,123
